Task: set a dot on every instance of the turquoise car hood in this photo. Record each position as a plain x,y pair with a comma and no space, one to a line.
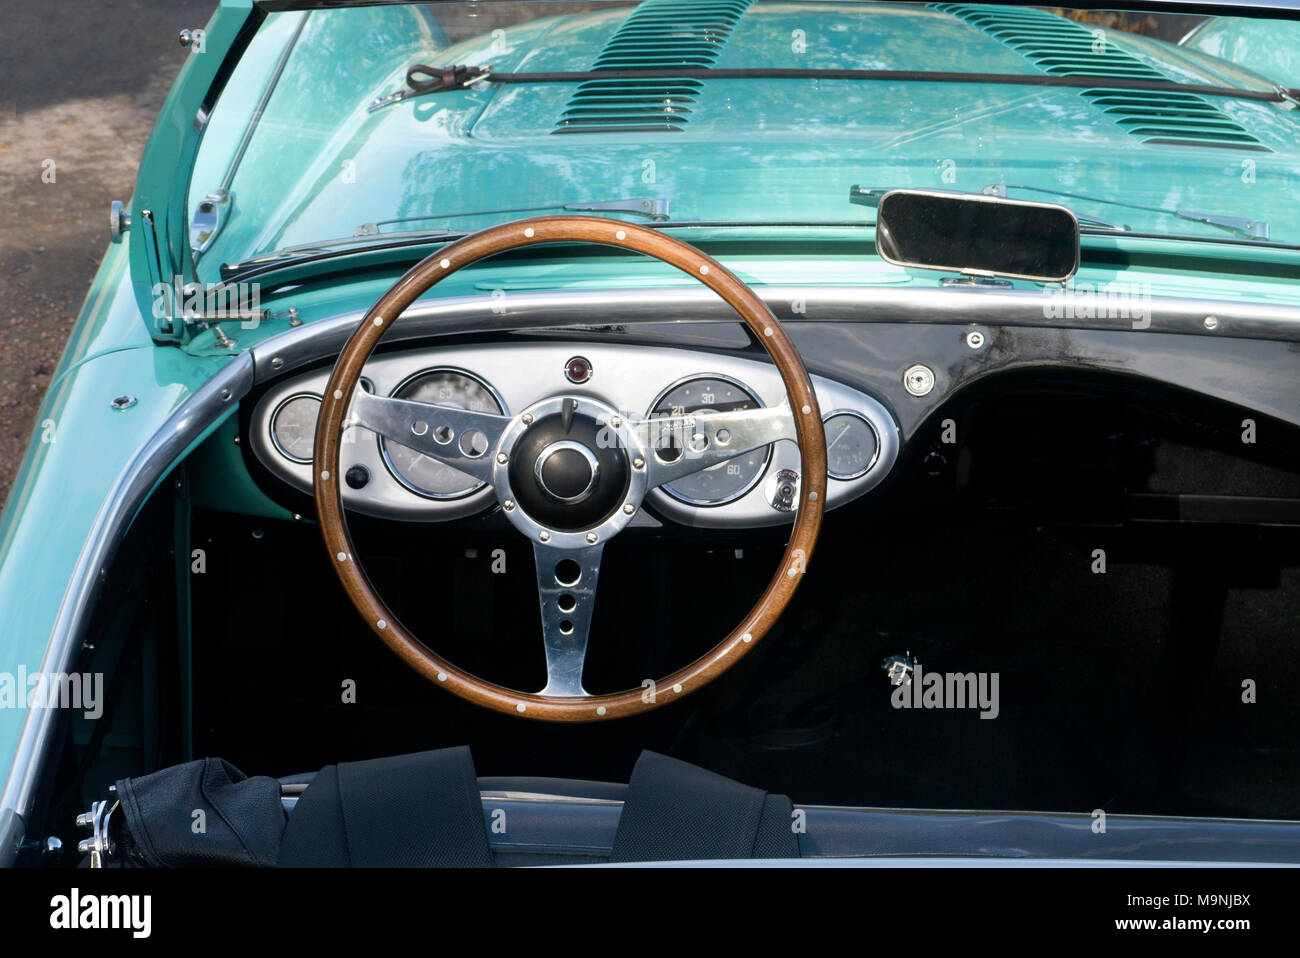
752,150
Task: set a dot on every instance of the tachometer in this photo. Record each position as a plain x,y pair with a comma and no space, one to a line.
443,387
726,481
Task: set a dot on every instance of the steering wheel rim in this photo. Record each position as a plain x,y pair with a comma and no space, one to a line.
344,405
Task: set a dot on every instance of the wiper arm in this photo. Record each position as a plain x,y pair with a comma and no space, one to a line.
1236,225
652,208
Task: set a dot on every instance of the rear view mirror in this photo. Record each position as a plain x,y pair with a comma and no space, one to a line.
978,235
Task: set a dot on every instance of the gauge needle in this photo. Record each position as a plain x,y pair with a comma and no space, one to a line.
837,438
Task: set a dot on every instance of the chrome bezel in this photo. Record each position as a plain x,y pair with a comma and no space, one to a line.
874,431
477,485
767,458
578,539
275,415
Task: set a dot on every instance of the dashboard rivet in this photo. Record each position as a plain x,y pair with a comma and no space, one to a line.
277,362
918,380
126,402
592,537
508,505
974,339
502,458
1211,322
638,463
527,418
544,536
629,508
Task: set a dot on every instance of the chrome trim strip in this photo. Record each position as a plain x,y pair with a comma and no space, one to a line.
133,486
910,303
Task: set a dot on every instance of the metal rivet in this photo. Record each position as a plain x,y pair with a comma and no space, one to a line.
629,508
123,402
338,394
508,505
325,474
382,624
277,362
812,497
442,676
768,331
445,263
638,463
807,409
502,458
747,638
621,234
527,418
592,537
343,557
297,517
528,232
1211,322
704,269
616,421
792,572
677,688
379,320
521,707
974,339
600,710
544,536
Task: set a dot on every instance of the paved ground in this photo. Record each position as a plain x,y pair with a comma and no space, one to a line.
80,84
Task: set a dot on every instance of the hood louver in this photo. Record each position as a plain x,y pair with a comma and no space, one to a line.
1064,48
657,35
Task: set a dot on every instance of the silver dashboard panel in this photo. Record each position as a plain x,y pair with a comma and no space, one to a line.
629,378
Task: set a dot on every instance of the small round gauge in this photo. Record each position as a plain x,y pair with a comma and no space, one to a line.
293,426
851,445
441,387
725,481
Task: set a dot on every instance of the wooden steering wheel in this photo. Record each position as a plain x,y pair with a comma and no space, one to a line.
569,473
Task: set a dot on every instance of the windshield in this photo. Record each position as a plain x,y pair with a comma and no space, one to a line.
742,112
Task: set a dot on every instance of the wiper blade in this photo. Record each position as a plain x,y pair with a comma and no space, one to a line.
345,244
653,208
1244,227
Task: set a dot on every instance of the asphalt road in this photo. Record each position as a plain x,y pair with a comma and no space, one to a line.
81,82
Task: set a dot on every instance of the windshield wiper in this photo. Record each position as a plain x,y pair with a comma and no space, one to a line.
1236,225
652,208
335,247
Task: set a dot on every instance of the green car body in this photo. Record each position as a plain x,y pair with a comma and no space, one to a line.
764,165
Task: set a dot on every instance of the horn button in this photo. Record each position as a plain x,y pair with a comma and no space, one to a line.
563,477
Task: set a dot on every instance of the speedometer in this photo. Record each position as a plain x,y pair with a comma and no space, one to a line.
442,387
726,481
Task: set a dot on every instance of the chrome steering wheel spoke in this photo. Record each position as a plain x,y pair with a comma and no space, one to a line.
566,588
682,445
462,438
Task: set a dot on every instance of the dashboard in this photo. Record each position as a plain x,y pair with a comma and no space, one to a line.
761,487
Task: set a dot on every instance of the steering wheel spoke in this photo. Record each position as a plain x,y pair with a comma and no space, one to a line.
566,588
462,438
682,445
